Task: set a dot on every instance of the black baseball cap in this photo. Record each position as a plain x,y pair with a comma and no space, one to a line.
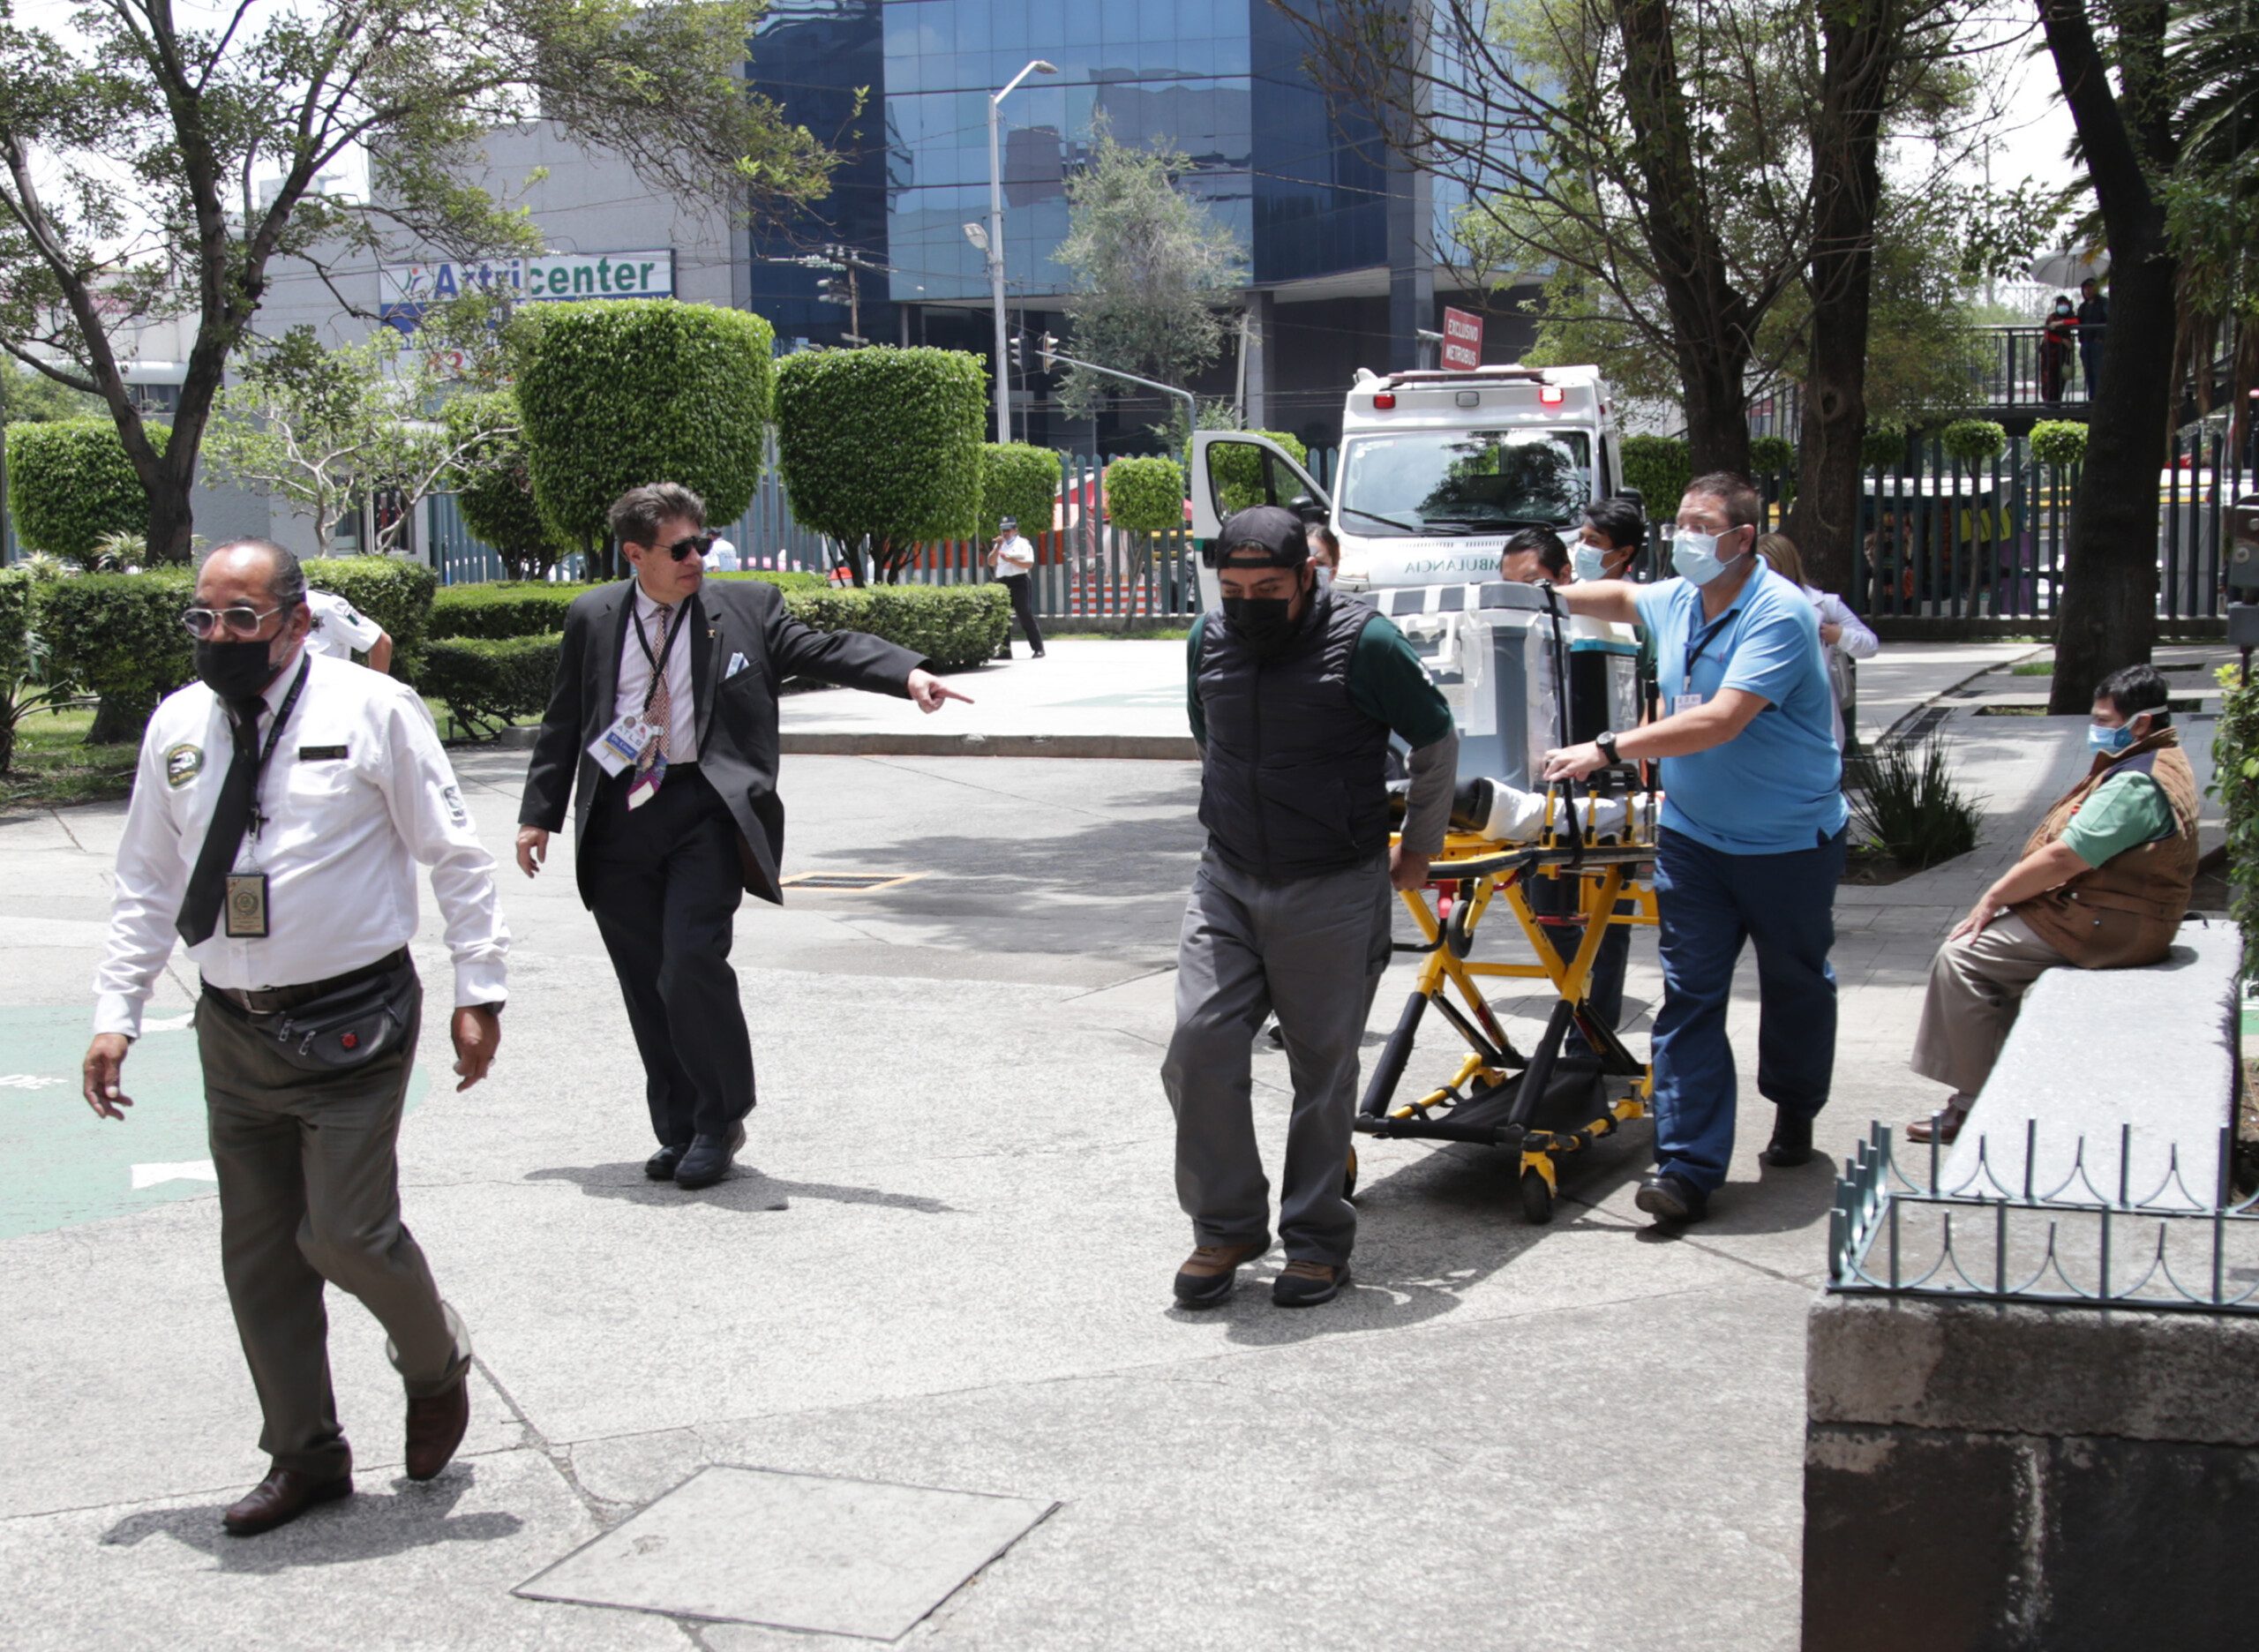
1277,532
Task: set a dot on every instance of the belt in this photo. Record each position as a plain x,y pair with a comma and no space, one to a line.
268,1000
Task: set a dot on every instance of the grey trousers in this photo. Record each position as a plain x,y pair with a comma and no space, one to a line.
1313,951
1976,987
309,1194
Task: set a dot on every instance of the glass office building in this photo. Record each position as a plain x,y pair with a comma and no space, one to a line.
1222,81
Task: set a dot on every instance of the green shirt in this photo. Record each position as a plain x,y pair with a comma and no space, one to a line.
2124,812
1387,683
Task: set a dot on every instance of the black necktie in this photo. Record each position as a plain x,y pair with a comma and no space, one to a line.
200,913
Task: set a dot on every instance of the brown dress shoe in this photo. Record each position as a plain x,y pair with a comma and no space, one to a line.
435,1428
280,1499
1307,1284
1946,1126
1210,1273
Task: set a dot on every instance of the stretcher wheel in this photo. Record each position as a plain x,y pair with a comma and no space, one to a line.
1349,1177
1536,1199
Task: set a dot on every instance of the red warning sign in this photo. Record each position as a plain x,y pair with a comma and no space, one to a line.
1462,341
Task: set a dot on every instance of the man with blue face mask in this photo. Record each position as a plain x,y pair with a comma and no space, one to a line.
2103,884
1752,839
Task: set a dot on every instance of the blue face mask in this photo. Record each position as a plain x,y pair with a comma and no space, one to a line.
1695,556
1591,562
2110,739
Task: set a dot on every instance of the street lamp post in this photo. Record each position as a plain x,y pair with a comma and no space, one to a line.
996,243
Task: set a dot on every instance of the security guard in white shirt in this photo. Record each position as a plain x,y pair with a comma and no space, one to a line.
280,808
340,630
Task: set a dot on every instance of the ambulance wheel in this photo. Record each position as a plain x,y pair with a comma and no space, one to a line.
1349,1177
1536,1199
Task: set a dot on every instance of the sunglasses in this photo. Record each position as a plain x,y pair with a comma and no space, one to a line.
696,544
242,620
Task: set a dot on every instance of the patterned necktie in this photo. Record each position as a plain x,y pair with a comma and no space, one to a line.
658,710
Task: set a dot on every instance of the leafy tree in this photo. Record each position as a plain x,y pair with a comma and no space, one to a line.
327,427
880,449
1154,271
1019,481
70,485
130,139
493,482
30,398
1146,496
2212,205
618,393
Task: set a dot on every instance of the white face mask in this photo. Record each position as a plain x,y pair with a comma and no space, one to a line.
1325,575
1695,556
1591,562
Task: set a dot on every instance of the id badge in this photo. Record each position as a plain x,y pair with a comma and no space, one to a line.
247,906
646,785
618,745
1686,702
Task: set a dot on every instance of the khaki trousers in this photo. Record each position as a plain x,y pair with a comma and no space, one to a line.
309,1194
1977,986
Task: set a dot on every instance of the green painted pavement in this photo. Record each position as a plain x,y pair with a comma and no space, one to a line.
60,1166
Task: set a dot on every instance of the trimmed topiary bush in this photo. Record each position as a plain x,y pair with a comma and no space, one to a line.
1772,455
1973,442
880,448
621,392
493,486
521,608
1147,495
1236,469
70,485
391,590
119,635
1883,448
1658,467
1018,481
2058,442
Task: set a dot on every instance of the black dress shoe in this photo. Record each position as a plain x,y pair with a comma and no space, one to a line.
660,1166
1791,1143
1672,1198
706,1160
280,1499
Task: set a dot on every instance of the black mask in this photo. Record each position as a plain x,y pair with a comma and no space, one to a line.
1263,621
235,670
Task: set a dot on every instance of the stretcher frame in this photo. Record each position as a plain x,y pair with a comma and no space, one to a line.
1493,1096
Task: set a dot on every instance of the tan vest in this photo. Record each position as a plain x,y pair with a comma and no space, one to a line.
2128,910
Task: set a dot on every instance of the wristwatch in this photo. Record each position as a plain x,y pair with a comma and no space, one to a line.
1606,740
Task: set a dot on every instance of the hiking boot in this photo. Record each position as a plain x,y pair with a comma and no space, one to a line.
1210,1273
1307,1284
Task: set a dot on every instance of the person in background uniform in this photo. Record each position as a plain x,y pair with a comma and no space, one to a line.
2103,884
2093,317
1843,635
1752,841
1015,563
661,732
722,556
280,808
1293,693
341,631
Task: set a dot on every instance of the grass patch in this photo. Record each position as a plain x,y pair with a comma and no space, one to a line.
54,766
1135,634
2033,668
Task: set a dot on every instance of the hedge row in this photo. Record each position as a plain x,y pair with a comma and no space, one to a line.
490,679
516,608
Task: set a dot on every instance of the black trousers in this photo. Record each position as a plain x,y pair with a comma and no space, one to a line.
666,885
1022,588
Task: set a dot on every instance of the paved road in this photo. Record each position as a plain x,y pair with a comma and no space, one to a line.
945,1265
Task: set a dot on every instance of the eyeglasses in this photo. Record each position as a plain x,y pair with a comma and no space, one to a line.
242,620
697,545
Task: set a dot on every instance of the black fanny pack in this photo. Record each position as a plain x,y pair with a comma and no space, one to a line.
347,1026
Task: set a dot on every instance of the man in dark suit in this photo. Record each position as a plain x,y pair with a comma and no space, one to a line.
662,729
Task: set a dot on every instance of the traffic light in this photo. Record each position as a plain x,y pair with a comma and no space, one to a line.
1049,350
1019,352
831,289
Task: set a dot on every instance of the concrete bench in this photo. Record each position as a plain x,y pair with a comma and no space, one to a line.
2039,1475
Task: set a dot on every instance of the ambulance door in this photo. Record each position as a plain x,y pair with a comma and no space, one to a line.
1233,470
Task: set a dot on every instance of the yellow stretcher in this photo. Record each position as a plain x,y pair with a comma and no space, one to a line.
1543,1106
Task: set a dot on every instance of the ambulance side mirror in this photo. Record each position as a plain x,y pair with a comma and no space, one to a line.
1634,495
1309,509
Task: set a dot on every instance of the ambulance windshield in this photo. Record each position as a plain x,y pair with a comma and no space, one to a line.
1457,482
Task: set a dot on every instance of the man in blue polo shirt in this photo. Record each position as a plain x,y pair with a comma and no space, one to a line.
1753,835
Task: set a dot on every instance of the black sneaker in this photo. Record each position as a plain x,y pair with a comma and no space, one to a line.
1307,1284
1672,1198
1791,1143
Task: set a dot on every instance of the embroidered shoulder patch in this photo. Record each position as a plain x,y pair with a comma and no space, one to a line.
183,763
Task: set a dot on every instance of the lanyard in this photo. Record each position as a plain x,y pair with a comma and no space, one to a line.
274,737
1699,645
666,647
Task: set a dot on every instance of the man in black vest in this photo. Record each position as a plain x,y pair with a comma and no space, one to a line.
1294,691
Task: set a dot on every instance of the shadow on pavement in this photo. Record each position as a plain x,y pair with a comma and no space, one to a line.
747,1189
363,1527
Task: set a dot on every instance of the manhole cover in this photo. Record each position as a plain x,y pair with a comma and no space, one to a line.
848,880
793,1552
